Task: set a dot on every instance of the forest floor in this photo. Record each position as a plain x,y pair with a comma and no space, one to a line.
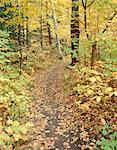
60,123
55,124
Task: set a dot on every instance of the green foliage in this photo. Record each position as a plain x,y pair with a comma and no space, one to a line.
107,46
109,139
13,132
67,50
15,102
7,55
14,99
4,34
111,67
70,51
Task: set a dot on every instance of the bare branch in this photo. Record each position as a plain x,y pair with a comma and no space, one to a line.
90,3
83,4
109,21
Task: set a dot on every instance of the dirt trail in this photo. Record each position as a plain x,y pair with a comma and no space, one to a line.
55,127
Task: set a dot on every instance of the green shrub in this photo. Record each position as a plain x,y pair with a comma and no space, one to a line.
14,99
109,139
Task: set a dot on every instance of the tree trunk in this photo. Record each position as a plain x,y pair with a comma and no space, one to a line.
20,48
75,32
56,27
27,33
94,54
94,44
23,34
41,25
19,34
85,22
49,33
21,59
48,25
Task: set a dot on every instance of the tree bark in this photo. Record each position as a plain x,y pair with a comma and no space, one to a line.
21,59
94,44
27,33
41,25
49,33
23,34
19,34
75,31
48,25
85,17
94,53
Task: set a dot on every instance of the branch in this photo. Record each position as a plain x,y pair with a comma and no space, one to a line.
109,21
83,4
112,7
90,3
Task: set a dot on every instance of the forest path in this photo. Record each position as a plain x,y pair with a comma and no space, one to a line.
55,127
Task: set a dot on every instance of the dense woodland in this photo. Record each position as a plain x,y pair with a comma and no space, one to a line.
58,75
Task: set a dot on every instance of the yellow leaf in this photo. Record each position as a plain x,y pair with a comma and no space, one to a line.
108,90
111,94
1,127
17,137
84,106
98,99
9,130
92,79
90,92
9,122
115,93
29,124
4,136
103,121
16,123
23,129
1,118
98,78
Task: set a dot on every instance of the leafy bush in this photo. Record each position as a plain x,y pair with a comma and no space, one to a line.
7,54
109,139
14,105
13,132
14,99
93,85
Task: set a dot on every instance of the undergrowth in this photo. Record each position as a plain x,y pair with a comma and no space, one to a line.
108,141
14,96
94,94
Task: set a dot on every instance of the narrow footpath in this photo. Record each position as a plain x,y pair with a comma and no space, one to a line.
55,127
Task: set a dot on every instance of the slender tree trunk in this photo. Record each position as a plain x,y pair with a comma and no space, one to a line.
23,34
94,44
48,25
56,27
94,53
49,33
41,25
23,29
85,21
21,59
20,48
27,33
19,34
75,32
